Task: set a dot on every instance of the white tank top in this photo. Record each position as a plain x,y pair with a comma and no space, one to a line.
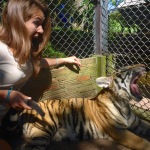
11,74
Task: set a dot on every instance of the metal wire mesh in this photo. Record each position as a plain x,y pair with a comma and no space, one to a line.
128,41
129,38
72,27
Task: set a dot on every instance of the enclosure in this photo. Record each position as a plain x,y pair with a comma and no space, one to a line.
105,35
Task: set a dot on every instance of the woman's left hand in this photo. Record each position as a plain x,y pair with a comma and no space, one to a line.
49,62
72,60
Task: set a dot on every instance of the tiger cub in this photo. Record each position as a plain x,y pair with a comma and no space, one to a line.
108,115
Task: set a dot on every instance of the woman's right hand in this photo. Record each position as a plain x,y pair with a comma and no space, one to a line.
16,100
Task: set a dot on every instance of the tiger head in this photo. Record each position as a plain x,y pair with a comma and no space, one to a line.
124,82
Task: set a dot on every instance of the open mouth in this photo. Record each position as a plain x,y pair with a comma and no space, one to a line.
135,91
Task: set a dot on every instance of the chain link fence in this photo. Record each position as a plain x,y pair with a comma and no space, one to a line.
72,28
119,28
128,42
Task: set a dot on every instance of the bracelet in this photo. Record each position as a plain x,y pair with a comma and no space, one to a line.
56,61
8,94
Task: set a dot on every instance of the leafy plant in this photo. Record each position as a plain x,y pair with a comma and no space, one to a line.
51,52
84,15
115,2
118,24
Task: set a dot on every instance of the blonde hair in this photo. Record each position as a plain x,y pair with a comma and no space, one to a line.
14,33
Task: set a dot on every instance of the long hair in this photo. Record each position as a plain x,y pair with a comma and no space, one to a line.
14,33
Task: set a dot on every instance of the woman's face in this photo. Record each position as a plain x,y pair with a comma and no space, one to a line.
34,24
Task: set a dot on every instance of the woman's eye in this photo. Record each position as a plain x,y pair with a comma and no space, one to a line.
36,23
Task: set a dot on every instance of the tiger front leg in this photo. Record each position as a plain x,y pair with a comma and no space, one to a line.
37,143
130,140
143,129
125,137
37,138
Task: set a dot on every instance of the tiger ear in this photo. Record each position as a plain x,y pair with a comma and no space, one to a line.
104,82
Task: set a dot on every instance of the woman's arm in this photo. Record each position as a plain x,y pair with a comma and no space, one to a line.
15,99
49,62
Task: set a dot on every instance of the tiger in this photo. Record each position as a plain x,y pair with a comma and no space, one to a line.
106,116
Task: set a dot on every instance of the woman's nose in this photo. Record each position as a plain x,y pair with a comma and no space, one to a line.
40,30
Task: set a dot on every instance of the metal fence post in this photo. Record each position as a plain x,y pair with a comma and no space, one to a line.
98,25
101,26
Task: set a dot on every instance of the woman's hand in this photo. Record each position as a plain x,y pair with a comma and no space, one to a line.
72,60
16,100
49,62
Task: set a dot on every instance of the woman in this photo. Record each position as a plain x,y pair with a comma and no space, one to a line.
24,33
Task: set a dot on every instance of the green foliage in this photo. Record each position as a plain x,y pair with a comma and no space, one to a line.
2,4
115,2
72,42
84,15
53,53
75,18
118,25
